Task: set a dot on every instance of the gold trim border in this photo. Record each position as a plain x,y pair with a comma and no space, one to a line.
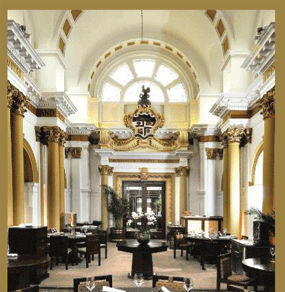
114,160
168,178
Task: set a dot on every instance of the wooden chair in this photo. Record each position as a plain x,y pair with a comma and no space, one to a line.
173,283
105,280
29,289
224,274
92,247
180,242
59,248
103,235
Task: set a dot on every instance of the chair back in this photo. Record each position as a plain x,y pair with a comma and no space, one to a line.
224,266
58,245
92,243
105,280
103,235
173,283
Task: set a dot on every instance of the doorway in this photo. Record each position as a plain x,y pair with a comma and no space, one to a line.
146,196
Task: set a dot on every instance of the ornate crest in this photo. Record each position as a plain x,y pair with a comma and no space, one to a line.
144,122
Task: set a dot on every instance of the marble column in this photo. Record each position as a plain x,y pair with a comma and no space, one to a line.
105,170
183,172
268,111
61,154
212,154
9,158
225,184
53,192
234,136
17,139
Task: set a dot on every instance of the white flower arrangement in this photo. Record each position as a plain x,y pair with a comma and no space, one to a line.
143,219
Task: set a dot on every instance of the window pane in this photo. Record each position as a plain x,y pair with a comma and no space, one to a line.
133,92
165,75
144,68
110,92
177,93
122,75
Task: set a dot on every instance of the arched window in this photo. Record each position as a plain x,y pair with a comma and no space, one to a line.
125,82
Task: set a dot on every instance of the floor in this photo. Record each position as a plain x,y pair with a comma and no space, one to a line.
119,265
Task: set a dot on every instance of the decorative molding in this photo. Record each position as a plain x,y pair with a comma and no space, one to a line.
105,169
114,160
169,188
182,170
11,64
263,53
49,113
211,138
75,152
20,49
211,153
58,100
144,173
227,102
268,72
17,101
268,104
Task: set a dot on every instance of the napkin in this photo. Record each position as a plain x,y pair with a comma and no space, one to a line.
110,289
164,289
12,256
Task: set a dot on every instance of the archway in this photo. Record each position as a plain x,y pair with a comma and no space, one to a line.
31,179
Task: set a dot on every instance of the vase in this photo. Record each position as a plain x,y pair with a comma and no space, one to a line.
143,237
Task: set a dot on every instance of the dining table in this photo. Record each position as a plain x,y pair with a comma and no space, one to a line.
208,245
263,270
73,240
142,255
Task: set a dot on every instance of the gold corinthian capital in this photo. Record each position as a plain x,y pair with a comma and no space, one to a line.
51,133
105,169
182,170
16,100
211,153
268,104
238,135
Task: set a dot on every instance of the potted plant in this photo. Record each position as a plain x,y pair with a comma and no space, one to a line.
143,221
119,208
263,226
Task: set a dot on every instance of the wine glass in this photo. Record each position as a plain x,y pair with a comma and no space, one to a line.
138,279
188,284
90,283
272,252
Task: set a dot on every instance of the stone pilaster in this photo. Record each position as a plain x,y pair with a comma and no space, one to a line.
268,111
105,170
183,172
62,140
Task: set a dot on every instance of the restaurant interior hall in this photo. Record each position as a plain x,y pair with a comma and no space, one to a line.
172,109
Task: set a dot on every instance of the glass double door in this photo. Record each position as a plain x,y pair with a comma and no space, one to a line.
144,197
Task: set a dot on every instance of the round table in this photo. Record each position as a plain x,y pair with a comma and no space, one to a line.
142,256
262,269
